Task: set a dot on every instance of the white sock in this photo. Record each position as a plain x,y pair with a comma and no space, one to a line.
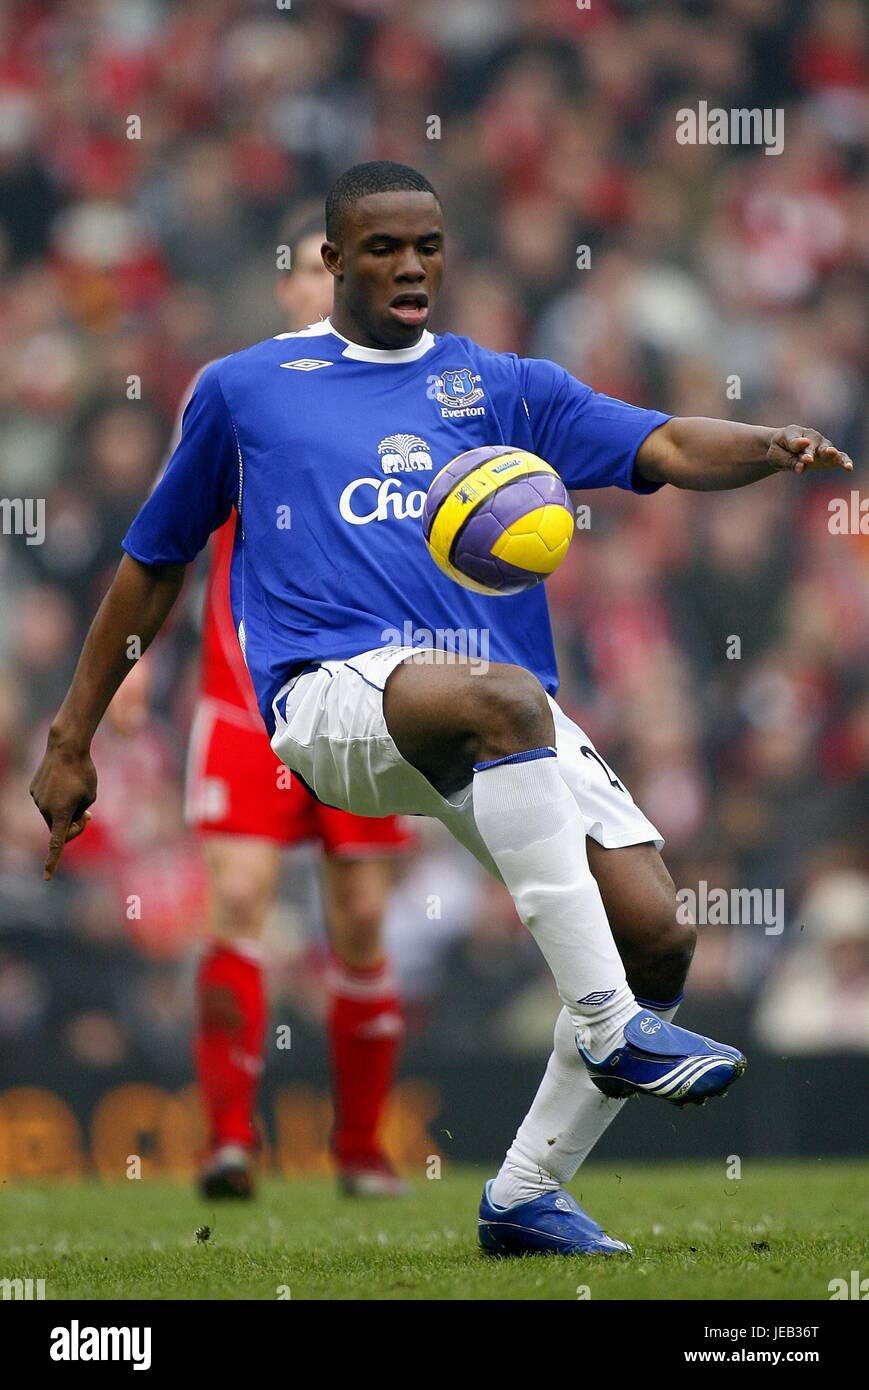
535,832
567,1117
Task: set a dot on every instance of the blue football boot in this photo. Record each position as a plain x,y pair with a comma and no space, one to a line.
659,1059
552,1224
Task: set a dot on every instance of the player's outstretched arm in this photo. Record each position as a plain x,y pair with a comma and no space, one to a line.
129,617
708,455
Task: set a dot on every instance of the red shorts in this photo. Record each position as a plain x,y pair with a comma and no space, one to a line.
236,786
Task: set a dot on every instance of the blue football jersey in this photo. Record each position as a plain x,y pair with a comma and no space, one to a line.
326,449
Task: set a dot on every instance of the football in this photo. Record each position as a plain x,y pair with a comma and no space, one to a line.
497,520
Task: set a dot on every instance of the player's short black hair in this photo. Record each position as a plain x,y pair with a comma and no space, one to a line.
377,176
303,221
304,228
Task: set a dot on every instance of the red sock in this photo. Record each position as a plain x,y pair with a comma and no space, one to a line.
230,1034
365,1028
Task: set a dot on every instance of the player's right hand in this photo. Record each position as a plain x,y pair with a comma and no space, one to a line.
797,450
64,786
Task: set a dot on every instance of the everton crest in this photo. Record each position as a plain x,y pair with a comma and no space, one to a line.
457,392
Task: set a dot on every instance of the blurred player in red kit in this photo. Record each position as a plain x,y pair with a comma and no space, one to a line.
246,807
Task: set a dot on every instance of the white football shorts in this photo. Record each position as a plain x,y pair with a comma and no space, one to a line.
330,730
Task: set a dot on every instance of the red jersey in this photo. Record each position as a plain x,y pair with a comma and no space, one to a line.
223,676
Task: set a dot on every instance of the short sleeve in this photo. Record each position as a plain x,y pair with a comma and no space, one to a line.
590,439
198,488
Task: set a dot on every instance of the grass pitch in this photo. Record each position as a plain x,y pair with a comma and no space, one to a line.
782,1231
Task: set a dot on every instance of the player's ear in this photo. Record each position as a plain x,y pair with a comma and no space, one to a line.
333,259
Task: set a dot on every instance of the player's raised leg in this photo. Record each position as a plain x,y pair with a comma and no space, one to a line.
231,1006
448,721
453,722
364,1021
447,718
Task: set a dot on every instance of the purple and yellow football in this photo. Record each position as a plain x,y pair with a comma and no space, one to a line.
497,520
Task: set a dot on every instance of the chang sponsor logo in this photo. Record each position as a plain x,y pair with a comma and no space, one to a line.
382,499
379,499
404,453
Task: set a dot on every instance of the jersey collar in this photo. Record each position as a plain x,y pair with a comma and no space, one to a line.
393,355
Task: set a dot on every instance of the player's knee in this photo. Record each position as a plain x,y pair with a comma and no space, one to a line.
357,933
660,962
240,905
676,947
659,945
356,893
512,713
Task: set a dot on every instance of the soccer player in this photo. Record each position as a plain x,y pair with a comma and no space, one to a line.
324,443
246,808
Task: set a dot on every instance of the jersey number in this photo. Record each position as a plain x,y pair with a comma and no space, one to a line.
611,777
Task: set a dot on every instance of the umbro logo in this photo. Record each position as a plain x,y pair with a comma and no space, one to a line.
597,997
306,364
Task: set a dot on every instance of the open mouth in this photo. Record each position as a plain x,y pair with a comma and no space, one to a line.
410,308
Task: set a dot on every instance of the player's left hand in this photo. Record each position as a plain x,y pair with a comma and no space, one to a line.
795,449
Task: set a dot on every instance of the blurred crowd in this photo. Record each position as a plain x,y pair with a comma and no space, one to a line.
714,646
